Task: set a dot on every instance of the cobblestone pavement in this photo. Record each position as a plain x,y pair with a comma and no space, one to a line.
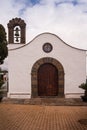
41,117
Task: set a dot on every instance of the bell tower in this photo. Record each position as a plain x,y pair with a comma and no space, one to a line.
16,31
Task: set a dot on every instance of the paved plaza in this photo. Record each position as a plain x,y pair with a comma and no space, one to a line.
41,117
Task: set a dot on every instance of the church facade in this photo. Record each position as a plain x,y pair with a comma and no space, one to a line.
45,67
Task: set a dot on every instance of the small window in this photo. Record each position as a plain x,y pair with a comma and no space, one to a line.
47,47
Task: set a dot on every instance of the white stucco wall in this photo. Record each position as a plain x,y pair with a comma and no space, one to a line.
21,62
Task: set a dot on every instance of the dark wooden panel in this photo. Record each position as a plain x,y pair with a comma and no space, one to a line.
47,80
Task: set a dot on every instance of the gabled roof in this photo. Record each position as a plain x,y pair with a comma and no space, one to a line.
45,34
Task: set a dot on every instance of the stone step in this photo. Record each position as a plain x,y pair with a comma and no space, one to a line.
47,101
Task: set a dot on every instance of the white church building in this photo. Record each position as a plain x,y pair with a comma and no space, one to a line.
45,67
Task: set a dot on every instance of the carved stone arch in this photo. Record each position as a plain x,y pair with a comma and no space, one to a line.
34,78
16,22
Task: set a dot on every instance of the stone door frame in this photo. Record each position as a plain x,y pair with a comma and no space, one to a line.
34,74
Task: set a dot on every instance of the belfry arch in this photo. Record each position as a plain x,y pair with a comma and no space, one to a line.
20,30
34,76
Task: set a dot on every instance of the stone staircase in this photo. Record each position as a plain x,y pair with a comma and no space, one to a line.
47,101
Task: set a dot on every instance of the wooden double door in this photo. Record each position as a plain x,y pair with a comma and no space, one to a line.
47,80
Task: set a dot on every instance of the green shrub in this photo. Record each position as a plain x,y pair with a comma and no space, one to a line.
83,86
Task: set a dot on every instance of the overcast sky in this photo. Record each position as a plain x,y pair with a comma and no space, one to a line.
65,18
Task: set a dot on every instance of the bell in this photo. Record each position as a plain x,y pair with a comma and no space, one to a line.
17,40
17,32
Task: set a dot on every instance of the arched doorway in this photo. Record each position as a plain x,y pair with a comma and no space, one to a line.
47,80
52,67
